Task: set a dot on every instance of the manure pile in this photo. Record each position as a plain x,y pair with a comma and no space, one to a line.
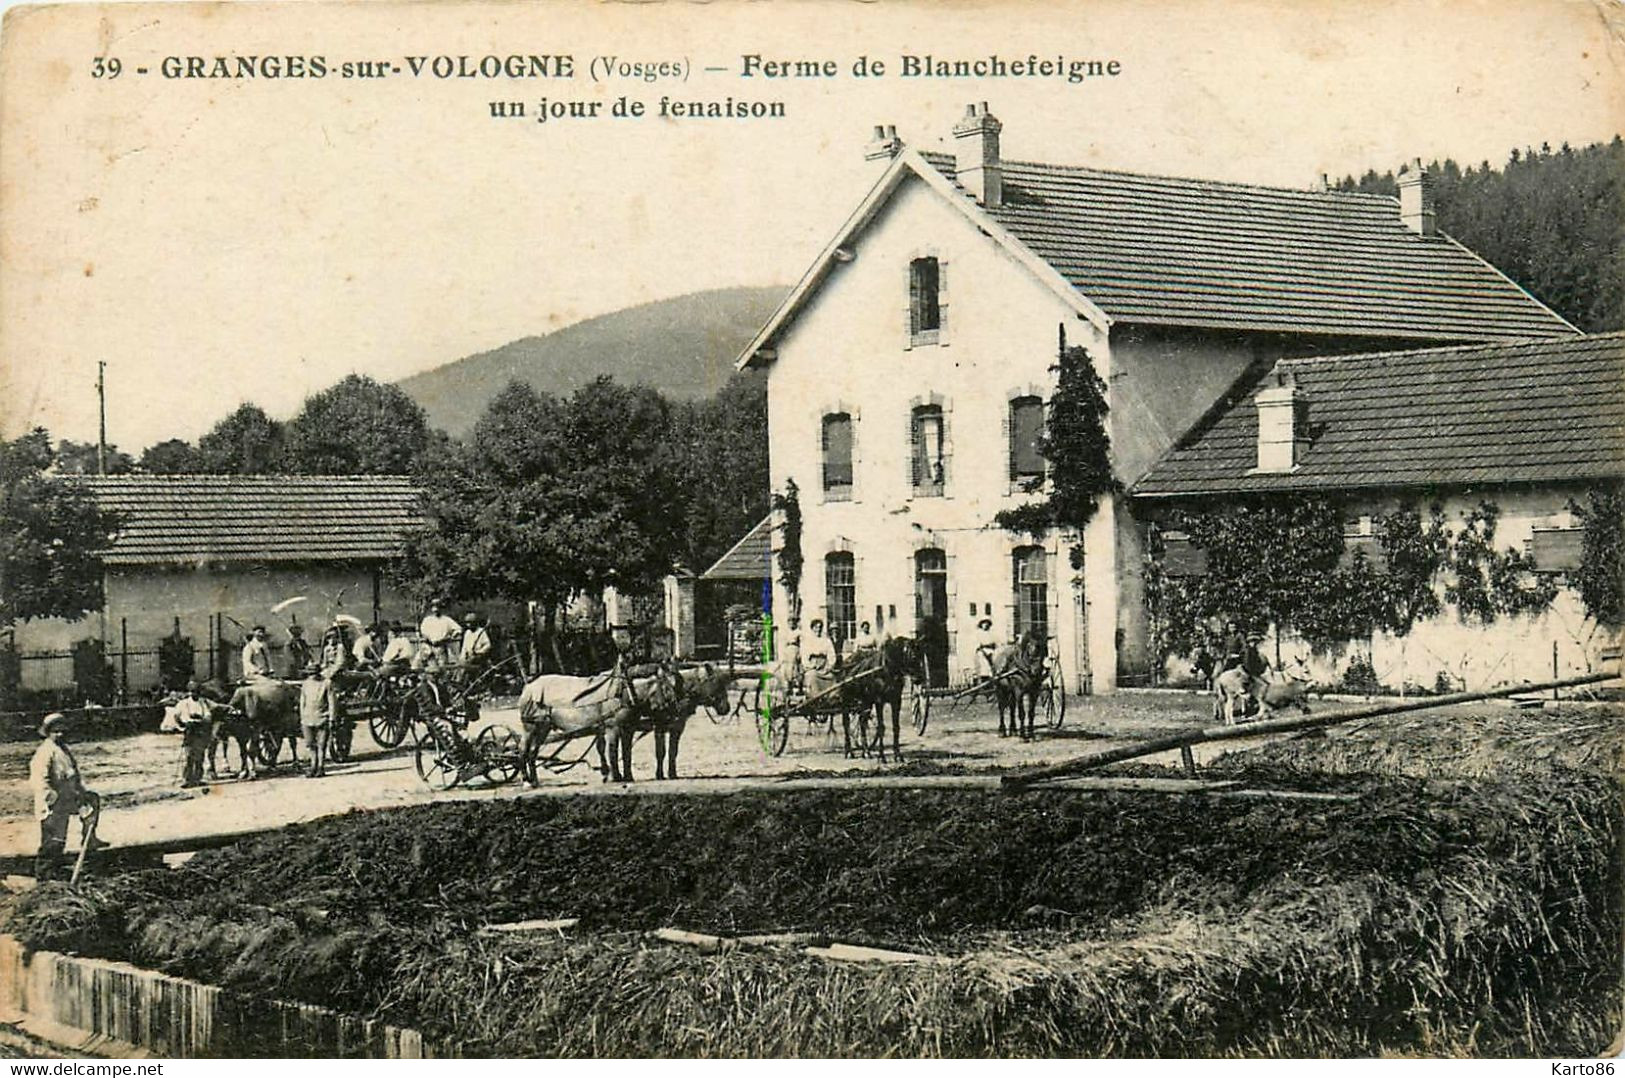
1425,917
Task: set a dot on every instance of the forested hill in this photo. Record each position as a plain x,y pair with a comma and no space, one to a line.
1552,220
684,347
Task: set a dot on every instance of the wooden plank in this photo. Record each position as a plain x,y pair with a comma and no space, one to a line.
1291,795
1144,783
560,924
1025,777
847,952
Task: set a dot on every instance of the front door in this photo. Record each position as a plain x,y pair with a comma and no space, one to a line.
931,613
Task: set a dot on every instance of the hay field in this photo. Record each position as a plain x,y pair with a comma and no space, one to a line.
1431,915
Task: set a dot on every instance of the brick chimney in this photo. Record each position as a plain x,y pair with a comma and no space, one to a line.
976,155
885,144
1416,198
1283,423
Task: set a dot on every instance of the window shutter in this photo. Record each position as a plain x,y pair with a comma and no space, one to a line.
942,302
911,316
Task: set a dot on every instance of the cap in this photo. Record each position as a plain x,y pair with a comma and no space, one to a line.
296,629
54,721
193,686
985,623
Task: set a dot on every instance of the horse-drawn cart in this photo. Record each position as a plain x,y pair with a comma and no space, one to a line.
1050,700
892,677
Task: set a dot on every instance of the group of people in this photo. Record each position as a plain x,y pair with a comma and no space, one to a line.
810,659
441,643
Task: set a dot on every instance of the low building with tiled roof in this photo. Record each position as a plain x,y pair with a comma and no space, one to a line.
209,556
909,369
1528,427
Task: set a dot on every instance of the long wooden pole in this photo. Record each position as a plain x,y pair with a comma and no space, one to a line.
1020,779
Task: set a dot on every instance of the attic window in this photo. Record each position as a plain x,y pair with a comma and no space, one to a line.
924,300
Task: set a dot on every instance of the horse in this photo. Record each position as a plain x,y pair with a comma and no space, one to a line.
582,705
1018,670
673,696
898,659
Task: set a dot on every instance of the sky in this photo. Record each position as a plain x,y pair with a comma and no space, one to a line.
221,240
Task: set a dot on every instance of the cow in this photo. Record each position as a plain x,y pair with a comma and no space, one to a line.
1287,686
270,707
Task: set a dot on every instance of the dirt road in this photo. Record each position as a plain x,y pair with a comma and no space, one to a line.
139,776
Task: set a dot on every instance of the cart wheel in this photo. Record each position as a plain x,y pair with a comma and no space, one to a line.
435,765
389,726
498,748
266,746
1054,698
339,747
920,708
772,723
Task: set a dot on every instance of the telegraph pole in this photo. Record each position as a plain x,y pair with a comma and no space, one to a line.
101,397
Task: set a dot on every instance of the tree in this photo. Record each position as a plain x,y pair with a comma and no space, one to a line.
552,499
1489,582
357,427
51,537
1078,448
1415,552
246,442
720,446
173,457
788,505
1600,579
79,458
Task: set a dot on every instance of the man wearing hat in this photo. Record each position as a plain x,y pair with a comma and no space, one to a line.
299,651
440,633
197,734
475,653
257,657
59,794
317,712
986,645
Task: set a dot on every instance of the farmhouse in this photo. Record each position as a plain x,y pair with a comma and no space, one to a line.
208,555
1528,428
909,368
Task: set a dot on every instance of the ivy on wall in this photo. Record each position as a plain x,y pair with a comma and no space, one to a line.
1282,562
788,504
1600,580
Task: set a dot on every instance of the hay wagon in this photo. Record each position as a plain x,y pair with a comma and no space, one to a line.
775,707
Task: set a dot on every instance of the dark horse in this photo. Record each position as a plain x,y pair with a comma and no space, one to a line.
898,659
1019,670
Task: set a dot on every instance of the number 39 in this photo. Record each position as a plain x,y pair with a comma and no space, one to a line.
105,69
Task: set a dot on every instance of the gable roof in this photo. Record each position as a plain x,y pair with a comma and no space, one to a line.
746,559
208,519
1533,411
1122,247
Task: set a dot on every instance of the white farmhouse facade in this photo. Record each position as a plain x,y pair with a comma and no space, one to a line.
908,370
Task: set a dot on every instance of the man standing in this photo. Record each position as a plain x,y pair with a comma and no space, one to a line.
197,734
316,710
257,657
476,650
59,794
440,633
299,653
986,645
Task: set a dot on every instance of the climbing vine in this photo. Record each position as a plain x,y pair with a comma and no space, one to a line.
1283,562
1600,579
790,560
1077,447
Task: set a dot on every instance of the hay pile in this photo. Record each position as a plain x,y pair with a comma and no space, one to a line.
1469,741
1429,917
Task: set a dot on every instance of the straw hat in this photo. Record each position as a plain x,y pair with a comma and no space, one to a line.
54,721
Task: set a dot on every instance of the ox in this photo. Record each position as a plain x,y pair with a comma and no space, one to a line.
1260,694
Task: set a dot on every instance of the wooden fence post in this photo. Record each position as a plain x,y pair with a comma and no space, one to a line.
123,660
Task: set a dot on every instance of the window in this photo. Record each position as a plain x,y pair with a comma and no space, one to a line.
1556,550
841,596
1181,557
1026,427
837,445
1031,580
928,435
924,300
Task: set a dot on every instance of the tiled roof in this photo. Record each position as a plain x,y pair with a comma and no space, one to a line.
1534,411
1164,251
748,558
196,519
